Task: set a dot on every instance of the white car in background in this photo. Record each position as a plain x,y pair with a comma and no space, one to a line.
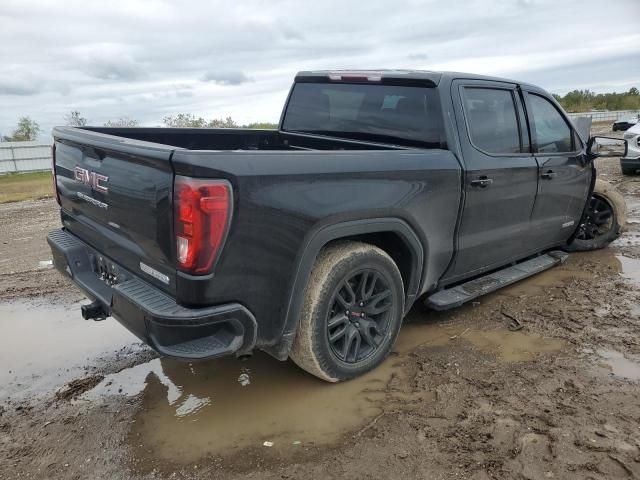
630,163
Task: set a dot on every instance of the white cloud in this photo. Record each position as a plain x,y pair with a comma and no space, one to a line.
149,58
226,77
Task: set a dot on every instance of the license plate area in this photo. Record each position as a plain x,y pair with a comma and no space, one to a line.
106,270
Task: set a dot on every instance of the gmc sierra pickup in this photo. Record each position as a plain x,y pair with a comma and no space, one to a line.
312,241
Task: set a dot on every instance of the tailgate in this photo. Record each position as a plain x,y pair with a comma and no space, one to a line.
115,194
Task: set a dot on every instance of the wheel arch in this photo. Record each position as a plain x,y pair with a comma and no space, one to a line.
393,235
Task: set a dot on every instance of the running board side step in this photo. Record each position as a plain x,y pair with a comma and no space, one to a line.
456,296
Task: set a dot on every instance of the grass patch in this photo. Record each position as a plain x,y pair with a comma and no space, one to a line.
16,187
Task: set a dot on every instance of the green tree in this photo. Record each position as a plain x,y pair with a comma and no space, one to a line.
586,100
122,122
27,130
261,125
74,119
188,120
222,123
184,120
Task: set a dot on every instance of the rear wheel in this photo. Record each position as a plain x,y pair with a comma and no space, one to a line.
605,217
352,312
628,171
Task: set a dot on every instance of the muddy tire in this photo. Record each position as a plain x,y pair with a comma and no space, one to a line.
605,220
352,312
628,171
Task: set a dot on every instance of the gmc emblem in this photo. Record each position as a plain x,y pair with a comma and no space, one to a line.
95,180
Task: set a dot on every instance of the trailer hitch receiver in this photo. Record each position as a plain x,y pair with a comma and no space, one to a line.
94,311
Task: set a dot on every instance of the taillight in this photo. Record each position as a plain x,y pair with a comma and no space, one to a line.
202,210
53,173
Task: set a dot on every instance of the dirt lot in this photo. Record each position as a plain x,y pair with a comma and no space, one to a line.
462,396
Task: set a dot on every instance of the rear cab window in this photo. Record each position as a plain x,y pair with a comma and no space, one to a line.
398,114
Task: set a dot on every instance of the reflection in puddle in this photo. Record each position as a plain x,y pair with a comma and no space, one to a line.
191,410
214,413
619,365
44,346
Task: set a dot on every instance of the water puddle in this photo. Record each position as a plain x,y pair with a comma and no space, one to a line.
189,411
223,406
627,239
575,269
514,347
620,366
44,346
553,277
572,269
629,268
633,209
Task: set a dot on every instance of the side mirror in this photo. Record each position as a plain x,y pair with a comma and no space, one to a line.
606,147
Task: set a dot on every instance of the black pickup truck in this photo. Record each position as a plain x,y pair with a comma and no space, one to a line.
312,241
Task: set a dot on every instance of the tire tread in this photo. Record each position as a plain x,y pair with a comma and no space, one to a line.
305,350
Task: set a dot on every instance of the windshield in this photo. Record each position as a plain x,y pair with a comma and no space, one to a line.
403,115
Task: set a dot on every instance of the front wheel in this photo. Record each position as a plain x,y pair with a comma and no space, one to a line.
604,220
352,312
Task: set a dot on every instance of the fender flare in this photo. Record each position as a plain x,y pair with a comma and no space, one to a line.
334,232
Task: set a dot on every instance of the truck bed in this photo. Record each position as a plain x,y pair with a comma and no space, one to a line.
238,139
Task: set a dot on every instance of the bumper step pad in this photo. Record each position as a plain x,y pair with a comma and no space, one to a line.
189,333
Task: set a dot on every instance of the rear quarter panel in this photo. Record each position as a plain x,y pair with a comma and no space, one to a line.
282,198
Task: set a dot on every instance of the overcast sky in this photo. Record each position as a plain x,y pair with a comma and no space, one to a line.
150,58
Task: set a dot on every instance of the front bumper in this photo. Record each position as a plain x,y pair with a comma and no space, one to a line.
630,162
151,315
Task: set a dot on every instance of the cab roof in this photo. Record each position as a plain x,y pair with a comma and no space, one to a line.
432,77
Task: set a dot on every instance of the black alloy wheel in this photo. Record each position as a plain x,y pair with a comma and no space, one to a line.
358,319
598,220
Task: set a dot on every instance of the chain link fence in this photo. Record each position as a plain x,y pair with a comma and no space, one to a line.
611,116
24,157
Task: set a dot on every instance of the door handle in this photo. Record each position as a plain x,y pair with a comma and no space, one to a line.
482,182
550,174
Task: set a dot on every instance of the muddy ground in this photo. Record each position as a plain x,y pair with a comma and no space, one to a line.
462,396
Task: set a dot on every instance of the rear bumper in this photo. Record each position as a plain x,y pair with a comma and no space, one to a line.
151,315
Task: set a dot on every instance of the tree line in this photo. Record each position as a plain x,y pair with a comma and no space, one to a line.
586,100
574,101
28,129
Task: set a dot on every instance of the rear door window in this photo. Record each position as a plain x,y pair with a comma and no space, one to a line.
492,120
